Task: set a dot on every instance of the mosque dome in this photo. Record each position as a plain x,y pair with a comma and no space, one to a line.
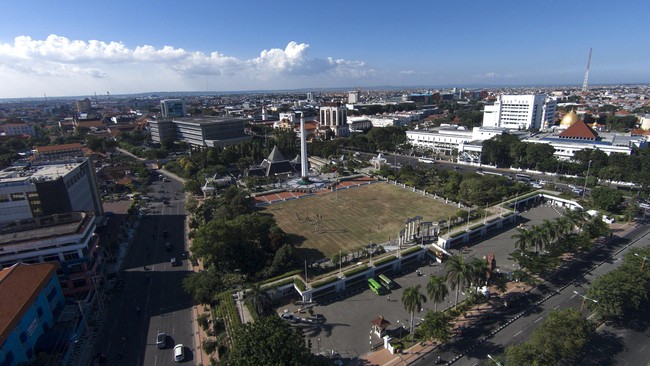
569,119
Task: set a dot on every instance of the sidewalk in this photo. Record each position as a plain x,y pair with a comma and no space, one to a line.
200,335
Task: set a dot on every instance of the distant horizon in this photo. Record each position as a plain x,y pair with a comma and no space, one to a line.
322,89
75,48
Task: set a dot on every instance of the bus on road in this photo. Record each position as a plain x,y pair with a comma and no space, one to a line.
523,178
426,160
387,282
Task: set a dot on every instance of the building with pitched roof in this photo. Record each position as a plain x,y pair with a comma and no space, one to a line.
30,301
275,164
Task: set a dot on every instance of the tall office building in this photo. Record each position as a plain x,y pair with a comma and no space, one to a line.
353,97
49,188
173,108
520,112
334,116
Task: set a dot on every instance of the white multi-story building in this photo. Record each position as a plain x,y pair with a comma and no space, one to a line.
520,112
334,116
68,239
12,129
353,97
445,140
49,188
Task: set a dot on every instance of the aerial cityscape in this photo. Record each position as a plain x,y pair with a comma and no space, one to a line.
324,184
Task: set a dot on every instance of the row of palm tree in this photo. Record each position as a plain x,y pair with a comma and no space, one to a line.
460,275
539,237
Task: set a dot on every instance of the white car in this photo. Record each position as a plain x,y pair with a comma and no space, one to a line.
607,219
179,353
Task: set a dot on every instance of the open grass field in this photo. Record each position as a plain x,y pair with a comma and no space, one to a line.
353,217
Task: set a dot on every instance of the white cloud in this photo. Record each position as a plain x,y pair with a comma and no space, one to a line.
58,57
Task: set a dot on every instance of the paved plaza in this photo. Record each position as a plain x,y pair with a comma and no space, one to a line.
346,330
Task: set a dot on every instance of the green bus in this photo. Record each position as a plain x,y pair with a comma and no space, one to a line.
387,282
375,286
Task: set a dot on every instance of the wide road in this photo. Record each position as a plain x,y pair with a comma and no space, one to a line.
152,298
515,324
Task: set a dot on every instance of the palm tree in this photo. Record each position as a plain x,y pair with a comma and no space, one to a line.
437,290
538,238
413,299
577,217
259,298
523,239
456,273
551,231
476,272
564,225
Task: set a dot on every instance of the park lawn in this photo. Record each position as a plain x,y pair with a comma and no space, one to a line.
349,219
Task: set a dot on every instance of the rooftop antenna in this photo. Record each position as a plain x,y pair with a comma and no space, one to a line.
585,84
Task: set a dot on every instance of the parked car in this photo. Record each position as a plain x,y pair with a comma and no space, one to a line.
161,340
289,317
179,353
607,219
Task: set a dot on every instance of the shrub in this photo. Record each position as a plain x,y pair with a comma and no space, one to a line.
354,271
299,284
324,282
384,260
411,250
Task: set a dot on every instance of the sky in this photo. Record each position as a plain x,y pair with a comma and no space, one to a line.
76,48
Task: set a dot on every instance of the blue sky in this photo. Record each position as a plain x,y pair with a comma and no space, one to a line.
81,47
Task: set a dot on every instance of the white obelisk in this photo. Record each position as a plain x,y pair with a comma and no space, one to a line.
303,150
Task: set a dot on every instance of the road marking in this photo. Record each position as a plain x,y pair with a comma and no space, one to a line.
574,295
538,319
591,316
642,348
557,307
617,259
518,333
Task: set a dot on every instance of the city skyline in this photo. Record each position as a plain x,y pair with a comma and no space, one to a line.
82,48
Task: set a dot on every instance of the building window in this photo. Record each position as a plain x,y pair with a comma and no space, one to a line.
39,311
4,198
23,337
17,196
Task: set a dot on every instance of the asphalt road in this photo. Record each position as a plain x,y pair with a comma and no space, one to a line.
153,285
515,324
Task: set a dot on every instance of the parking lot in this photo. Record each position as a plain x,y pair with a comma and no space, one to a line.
346,328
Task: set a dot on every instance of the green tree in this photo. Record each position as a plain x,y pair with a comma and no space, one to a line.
437,290
269,341
436,326
413,299
523,238
607,199
202,285
457,274
617,292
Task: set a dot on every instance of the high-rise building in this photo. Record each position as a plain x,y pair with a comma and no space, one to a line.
68,239
49,188
353,96
84,105
520,112
172,108
334,116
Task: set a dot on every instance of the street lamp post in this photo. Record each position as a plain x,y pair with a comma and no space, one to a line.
644,259
584,298
495,361
586,179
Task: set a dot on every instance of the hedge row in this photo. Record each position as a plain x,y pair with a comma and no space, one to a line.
354,271
411,250
288,274
324,282
298,282
384,260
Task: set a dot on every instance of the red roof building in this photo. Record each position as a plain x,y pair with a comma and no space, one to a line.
579,131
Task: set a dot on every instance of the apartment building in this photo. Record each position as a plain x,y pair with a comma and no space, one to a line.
521,112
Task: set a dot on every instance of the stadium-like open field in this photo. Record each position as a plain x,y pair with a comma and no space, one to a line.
354,217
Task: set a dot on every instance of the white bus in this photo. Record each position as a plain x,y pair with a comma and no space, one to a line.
523,177
426,160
